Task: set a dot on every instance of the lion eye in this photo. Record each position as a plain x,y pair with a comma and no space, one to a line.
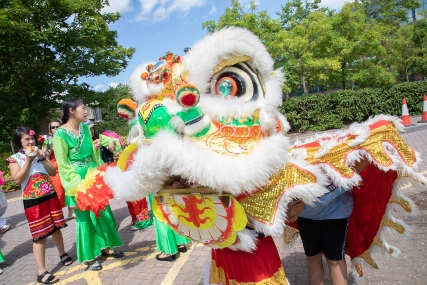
239,80
226,87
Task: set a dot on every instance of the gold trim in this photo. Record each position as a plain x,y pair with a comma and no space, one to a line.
377,242
263,205
229,61
217,276
401,202
389,223
359,269
368,259
290,232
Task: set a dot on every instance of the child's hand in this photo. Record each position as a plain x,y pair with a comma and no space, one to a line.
111,146
97,143
40,154
360,165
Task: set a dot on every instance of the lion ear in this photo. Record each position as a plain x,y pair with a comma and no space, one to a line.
127,108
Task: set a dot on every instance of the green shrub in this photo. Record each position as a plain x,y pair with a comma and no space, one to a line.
319,112
5,152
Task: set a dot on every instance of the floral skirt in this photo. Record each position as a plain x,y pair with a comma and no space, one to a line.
44,215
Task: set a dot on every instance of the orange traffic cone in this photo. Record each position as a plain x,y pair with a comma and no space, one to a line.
406,120
424,115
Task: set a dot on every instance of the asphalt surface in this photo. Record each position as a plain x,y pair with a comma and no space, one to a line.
139,265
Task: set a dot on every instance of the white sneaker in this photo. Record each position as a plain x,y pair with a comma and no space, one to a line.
4,228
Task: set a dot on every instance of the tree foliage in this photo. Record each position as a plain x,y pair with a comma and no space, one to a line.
402,51
420,41
389,12
45,47
295,11
259,22
107,102
360,46
305,50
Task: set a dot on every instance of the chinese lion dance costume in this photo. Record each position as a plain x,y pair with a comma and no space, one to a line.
212,126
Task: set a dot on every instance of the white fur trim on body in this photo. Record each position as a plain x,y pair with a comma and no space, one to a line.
153,164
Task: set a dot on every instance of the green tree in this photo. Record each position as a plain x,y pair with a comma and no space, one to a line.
107,102
294,12
402,52
258,22
46,46
420,41
360,45
305,48
390,12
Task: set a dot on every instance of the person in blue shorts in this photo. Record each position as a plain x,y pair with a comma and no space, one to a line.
323,230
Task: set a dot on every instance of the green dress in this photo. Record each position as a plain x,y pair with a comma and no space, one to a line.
1,257
166,239
75,154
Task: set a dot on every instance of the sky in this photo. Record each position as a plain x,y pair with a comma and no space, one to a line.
154,27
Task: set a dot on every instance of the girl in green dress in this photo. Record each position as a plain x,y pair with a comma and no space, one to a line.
168,241
75,153
1,260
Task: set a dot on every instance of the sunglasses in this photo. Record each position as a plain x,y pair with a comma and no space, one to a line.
54,127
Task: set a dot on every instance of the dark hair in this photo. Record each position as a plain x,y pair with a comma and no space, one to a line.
50,124
70,103
95,134
17,135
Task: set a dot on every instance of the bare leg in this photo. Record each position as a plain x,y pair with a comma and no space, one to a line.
59,241
70,212
106,250
39,251
315,269
338,271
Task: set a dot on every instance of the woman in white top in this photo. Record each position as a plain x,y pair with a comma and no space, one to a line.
30,168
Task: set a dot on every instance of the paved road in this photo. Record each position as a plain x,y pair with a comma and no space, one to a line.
140,267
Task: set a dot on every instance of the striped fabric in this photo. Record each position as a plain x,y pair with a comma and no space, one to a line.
44,216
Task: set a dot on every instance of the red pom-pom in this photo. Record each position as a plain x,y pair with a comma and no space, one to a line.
189,100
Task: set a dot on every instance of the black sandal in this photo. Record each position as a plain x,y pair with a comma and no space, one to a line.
166,258
48,280
67,261
115,254
182,248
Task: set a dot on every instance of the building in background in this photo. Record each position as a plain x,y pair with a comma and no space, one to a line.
94,114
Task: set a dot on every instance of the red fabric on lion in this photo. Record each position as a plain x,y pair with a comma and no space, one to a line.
370,201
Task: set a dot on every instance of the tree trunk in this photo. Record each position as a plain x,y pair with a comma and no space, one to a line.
43,125
304,85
